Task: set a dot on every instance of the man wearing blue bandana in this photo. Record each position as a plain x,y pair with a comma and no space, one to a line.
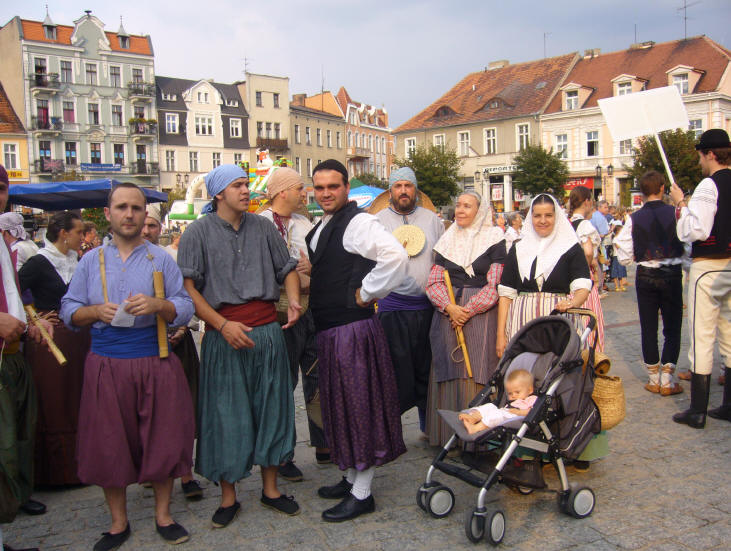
233,264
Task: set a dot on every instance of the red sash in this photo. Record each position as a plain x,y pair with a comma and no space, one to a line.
253,314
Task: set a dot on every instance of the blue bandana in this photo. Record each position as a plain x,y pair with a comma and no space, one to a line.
403,173
220,177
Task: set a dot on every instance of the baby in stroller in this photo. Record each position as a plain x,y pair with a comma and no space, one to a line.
519,389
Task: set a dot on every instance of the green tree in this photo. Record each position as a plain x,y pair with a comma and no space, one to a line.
96,215
679,147
437,172
370,179
540,171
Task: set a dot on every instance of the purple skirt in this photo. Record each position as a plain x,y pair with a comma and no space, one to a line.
135,421
358,395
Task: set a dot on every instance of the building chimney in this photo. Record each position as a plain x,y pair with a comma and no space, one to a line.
499,64
299,99
642,45
592,52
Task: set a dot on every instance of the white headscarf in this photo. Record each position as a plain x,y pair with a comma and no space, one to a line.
464,245
548,250
12,222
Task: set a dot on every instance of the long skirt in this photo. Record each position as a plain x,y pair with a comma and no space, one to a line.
59,398
358,395
17,430
245,405
136,421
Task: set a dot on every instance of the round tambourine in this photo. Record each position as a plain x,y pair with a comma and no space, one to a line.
411,237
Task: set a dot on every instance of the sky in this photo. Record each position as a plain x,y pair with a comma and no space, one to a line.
401,55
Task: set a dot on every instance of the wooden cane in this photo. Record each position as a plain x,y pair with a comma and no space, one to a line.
103,275
458,330
158,282
35,320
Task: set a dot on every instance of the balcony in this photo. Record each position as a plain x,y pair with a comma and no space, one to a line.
358,153
272,144
46,125
44,82
142,168
141,91
141,129
48,166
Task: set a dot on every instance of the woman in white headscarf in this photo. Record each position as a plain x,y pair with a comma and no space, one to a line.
14,234
472,251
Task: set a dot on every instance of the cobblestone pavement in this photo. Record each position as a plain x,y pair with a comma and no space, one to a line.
663,486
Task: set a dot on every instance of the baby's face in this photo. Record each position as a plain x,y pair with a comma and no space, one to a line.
518,390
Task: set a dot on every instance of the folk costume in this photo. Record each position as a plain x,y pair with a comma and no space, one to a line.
474,258
406,312
47,276
136,420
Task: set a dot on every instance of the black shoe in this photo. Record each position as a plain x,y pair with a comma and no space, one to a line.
283,504
323,458
289,471
350,508
192,490
8,548
33,507
724,412
112,541
224,515
337,491
173,533
695,415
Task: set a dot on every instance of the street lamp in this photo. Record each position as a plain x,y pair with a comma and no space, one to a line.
477,179
598,171
178,177
610,171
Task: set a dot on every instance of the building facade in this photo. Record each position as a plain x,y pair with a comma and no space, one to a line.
202,124
266,99
86,97
13,142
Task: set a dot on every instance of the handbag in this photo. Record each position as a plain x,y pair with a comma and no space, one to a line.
608,395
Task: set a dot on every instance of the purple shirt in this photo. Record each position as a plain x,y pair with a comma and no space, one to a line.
125,279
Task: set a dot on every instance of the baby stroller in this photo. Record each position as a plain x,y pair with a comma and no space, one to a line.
560,424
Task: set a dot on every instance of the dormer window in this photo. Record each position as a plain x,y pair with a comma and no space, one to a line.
232,103
169,97
202,97
572,100
681,82
624,88
124,42
49,32
494,104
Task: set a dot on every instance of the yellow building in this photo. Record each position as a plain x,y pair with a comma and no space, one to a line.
13,142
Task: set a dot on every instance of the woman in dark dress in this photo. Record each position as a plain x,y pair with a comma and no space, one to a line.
47,275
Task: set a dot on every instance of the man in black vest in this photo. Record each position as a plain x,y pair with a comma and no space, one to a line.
355,260
650,239
705,222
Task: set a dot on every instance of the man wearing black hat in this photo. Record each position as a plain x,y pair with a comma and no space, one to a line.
705,223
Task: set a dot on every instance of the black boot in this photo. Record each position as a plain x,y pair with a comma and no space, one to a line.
724,412
695,416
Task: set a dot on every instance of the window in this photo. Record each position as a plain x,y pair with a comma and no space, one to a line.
309,167
338,142
119,154
117,115
202,97
308,138
115,77
697,126
91,74
350,138
523,136
681,83
490,141
260,129
49,31
319,137
170,161
238,157
370,143
139,112
592,143
232,103
42,113
95,150
378,145
193,161
124,42
70,153
275,97
383,144
216,160
171,123
137,75
40,66
297,166
69,112
624,88
203,125
277,131
329,138
258,99
625,147
169,97
572,100
44,149
94,113
410,145
10,152
269,130
235,128
562,145
66,72
296,133
438,141
464,143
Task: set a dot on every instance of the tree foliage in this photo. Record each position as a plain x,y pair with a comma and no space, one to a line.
540,171
370,179
437,172
679,147
96,215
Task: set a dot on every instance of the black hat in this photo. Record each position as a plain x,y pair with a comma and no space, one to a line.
332,164
713,139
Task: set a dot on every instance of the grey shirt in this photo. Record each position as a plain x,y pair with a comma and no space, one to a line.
231,266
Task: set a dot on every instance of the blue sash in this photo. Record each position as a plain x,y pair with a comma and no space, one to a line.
125,342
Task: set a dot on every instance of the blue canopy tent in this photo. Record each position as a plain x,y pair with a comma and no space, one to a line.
71,195
364,195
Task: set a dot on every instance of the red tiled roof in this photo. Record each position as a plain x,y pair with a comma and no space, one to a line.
379,118
33,30
9,121
649,64
519,90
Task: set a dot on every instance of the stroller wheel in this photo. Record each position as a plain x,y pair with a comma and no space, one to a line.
439,501
580,502
474,525
496,527
420,498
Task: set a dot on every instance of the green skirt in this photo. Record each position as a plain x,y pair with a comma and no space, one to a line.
245,405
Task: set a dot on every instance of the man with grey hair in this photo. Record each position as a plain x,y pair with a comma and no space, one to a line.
406,312
512,233
599,221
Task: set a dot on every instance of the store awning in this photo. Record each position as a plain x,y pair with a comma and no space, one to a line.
72,195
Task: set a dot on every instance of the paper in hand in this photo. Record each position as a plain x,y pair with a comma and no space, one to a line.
122,318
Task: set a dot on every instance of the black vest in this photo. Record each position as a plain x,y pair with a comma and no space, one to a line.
719,242
654,235
336,274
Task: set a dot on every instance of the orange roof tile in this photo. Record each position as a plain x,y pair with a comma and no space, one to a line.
649,64
379,118
507,92
9,121
33,30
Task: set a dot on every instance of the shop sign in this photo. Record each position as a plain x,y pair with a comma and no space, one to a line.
571,183
519,195
15,173
103,167
496,191
504,169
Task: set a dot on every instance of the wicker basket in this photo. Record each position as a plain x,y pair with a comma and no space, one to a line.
602,363
609,397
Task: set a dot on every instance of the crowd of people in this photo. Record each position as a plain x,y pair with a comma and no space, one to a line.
367,308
